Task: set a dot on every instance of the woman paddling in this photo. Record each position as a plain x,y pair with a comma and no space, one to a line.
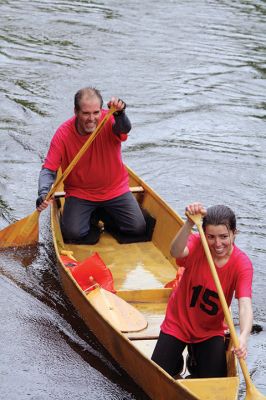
194,314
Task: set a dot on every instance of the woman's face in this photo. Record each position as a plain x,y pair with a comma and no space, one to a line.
220,240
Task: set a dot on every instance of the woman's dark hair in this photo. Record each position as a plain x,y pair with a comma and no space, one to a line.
220,215
91,92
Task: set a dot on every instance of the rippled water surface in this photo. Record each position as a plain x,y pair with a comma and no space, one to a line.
193,76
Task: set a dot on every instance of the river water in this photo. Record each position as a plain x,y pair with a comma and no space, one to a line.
193,76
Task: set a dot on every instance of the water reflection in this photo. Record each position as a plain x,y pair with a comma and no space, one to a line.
195,89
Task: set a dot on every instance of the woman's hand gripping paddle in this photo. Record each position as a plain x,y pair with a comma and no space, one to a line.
25,232
252,391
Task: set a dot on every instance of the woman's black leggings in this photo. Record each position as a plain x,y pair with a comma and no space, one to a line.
209,356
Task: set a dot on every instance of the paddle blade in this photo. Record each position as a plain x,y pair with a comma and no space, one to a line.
117,311
24,232
253,393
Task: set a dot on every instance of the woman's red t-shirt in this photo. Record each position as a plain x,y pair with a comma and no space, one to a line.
194,312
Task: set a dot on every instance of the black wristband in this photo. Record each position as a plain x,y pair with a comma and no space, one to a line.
40,200
117,113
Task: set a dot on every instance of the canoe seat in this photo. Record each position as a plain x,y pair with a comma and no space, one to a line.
133,189
57,195
152,304
136,189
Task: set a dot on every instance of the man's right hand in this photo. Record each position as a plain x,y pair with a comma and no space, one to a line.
41,203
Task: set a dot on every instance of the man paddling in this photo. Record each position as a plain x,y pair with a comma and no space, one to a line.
98,184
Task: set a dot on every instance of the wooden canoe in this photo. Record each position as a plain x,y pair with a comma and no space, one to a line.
127,323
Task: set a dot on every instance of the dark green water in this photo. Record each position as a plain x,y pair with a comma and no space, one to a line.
193,76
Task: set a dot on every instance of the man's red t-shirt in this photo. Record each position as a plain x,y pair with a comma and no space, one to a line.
194,312
100,173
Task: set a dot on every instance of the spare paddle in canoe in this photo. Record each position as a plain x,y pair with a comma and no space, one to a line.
117,311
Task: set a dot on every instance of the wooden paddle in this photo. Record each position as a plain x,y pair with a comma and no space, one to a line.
117,311
252,391
25,232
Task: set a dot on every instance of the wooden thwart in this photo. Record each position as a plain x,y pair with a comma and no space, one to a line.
57,195
136,189
212,389
133,189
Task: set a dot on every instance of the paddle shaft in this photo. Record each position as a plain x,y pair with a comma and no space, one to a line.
228,318
79,154
221,295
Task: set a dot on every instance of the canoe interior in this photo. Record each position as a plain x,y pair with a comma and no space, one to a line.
140,272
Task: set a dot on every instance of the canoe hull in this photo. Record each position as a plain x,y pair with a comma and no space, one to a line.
128,353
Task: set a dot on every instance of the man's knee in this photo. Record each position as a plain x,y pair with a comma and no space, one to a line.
139,227
71,231
72,235
136,227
